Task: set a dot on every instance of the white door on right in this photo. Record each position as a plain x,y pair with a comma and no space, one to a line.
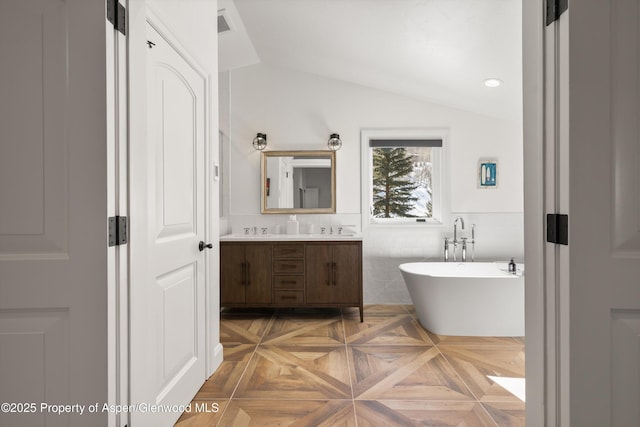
604,213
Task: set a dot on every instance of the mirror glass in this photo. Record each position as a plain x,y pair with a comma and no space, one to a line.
298,182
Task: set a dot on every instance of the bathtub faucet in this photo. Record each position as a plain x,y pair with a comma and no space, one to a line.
446,249
455,235
455,228
473,241
464,249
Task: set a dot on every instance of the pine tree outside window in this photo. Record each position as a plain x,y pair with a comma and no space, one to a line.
402,180
404,177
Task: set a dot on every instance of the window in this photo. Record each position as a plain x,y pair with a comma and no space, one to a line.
403,176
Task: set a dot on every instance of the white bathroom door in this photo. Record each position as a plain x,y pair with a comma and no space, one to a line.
602,279
53,211
168,298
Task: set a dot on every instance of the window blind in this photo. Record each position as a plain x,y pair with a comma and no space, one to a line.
389,143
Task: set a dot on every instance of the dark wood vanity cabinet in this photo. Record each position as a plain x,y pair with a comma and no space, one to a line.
291,274
333,273
245,274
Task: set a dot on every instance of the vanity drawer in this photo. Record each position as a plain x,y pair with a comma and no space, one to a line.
288,297
288,282
292,266
288,251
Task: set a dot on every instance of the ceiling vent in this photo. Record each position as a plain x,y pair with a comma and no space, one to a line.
224,24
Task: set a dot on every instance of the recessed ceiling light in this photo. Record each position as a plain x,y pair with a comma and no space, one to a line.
492,82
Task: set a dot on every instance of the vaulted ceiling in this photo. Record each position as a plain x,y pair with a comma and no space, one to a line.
438,51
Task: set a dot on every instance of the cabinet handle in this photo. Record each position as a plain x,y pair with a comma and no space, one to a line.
329,274
288,282
244,274
334,272
288,297
248,273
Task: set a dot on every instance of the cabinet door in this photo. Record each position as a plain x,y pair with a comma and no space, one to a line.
232,287
258,287
318,273
347,271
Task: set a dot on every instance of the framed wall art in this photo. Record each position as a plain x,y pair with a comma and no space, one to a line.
488,173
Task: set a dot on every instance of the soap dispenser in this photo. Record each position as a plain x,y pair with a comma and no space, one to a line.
512,267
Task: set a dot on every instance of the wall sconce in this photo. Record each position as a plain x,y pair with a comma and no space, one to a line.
334,142
260,141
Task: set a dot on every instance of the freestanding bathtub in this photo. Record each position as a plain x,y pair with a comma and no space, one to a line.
467,299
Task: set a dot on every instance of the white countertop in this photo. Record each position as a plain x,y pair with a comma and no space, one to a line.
289,237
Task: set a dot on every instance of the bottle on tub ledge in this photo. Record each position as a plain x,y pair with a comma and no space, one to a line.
512,267
293,225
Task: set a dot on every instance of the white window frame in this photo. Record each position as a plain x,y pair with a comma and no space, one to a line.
440,181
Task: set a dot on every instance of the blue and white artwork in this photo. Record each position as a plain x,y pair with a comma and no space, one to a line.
488,173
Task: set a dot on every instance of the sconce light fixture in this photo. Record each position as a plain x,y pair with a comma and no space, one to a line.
334,142
260,141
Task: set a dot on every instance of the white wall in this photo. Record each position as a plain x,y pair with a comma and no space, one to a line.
192,22
223,149
299,111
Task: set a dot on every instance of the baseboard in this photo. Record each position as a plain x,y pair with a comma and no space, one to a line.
215,360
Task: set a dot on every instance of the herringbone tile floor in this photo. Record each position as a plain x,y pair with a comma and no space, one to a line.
326,368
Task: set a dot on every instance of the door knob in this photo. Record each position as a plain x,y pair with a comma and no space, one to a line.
201,246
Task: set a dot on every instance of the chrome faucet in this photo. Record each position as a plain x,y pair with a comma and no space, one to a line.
473,242
455,228
464,249
455,236
446,249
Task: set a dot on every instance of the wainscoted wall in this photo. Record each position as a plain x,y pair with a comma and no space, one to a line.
298,111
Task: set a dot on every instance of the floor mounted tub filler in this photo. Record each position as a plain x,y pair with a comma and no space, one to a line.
467,299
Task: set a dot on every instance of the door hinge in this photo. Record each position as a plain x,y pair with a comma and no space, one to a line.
555,8
558,229
118,230
117,15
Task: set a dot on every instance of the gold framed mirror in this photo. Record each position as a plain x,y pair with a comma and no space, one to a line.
298,182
